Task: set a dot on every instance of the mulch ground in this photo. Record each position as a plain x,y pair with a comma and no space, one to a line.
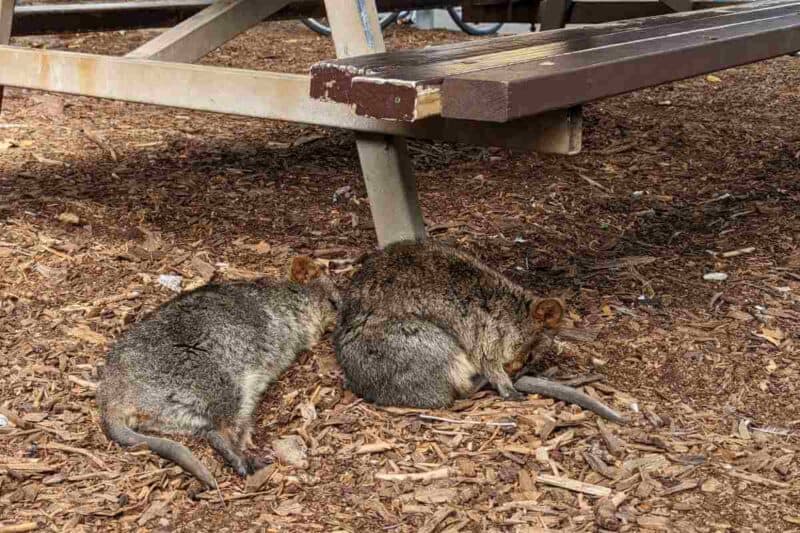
99,199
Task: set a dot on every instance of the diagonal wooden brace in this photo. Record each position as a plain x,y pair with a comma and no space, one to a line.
207,30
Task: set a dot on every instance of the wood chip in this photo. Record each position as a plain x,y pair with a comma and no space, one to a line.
375,447
85,333
70,449
755,478
435,495
432,523
680,487
22,527
573,485
653,522
439,473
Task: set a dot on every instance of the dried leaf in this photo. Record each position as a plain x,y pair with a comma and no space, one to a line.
84,333
69,218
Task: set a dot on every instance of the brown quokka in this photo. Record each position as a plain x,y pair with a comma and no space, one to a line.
425,324
200,364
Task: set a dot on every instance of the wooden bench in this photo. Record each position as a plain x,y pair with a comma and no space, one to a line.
481,92
508,78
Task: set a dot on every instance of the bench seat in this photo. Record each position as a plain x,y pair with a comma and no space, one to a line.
506,78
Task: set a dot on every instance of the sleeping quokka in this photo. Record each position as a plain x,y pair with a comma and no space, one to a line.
200,364
425,324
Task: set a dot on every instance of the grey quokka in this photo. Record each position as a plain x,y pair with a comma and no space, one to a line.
425,324
200,364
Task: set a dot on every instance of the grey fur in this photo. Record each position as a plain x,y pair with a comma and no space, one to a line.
425,324
200,364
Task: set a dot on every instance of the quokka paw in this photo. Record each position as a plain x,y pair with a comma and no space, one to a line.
513,395
254,464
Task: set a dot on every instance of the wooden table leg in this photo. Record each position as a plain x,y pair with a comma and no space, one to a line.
554,14
6,17
385,164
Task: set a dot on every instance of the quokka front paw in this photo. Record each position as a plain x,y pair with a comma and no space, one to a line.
513,395
254,464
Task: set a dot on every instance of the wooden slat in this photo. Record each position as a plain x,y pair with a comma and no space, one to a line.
392,85
567,79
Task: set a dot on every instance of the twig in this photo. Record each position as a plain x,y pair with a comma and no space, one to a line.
244,496
82,382
431,418
740,251
573,485
375,447
439,473
755,478
19,528
70,449
590,181
583,380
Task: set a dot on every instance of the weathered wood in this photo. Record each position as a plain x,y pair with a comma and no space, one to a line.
391,85
563,80
385,164
65,18
6,19
678,5
248,93
554,14
207,30
573,485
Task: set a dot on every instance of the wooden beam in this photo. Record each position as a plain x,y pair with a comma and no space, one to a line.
6,18
250,93
207,30
562,80
385,163
389,85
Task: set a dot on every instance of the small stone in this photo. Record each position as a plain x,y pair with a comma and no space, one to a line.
710,485
69,218
172,283
291,451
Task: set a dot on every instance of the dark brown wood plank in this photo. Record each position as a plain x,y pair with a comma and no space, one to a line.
503,94
333,80
392,90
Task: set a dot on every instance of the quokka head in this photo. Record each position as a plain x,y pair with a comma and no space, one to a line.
546,315
304,270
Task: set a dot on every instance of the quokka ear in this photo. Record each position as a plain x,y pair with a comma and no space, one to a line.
548,311
304,269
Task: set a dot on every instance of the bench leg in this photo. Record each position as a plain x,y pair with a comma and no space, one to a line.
387,169
6,17
554,14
